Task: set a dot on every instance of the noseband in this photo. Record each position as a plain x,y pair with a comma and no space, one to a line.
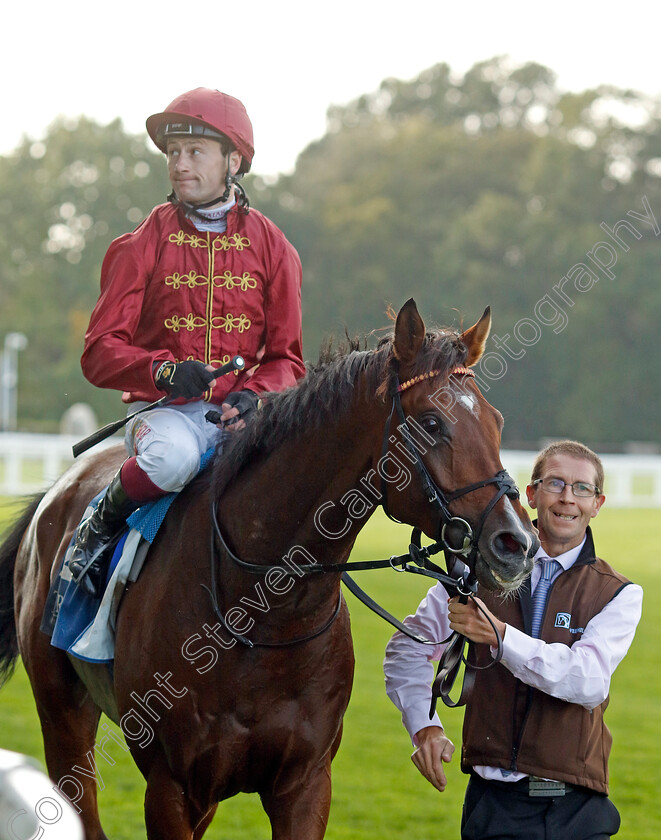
504,483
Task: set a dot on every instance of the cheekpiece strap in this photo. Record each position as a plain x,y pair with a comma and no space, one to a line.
459,370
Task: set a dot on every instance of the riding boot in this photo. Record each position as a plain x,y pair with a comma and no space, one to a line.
89,560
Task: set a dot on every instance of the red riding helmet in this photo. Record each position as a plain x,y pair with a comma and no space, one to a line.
207,113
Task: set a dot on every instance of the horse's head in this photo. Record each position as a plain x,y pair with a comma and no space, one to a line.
447,437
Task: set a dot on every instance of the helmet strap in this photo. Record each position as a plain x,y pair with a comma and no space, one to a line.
229,181
192,209
242,199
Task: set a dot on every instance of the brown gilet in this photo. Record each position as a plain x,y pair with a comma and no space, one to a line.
513,726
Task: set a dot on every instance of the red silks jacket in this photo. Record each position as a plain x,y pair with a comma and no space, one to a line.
170,292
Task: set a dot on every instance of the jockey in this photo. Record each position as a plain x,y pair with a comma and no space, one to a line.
202,279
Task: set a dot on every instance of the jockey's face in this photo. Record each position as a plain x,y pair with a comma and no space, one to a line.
197,168
563,517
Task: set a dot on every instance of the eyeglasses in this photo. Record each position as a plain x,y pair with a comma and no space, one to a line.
557,485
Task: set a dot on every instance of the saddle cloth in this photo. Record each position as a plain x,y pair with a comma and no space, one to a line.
81,624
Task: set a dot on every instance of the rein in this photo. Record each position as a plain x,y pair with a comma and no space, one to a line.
417,554
216,536
459,581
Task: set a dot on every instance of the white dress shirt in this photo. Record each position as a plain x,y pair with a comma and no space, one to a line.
577,674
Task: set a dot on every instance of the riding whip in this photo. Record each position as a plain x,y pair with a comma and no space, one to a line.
236,363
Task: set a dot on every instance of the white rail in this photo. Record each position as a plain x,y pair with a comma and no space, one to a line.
30,463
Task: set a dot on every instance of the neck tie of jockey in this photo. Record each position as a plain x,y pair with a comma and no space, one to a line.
549,568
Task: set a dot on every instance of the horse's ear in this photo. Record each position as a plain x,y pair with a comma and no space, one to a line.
409,333
476,337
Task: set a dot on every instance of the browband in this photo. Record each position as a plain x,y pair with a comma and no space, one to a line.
459,370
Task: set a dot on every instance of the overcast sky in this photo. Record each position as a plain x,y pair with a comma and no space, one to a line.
288,61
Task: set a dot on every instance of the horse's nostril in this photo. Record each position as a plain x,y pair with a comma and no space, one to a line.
510,543
507,544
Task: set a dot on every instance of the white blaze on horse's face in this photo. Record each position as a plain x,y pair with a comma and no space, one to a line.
469,403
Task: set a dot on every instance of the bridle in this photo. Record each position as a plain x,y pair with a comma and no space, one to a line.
458,581
437,498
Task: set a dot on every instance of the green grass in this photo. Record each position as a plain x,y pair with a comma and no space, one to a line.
376,790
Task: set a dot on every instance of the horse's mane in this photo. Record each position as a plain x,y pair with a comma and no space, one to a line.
326,391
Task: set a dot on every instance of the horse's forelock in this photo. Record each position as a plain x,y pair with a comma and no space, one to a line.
443,350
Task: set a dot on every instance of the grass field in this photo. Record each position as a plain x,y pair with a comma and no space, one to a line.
377,793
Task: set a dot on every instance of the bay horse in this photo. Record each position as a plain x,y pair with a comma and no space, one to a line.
227,681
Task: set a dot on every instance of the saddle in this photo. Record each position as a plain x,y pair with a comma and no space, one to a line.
83,625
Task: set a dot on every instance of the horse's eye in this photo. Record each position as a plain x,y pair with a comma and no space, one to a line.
432,424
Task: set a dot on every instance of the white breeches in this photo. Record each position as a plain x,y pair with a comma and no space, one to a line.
170,441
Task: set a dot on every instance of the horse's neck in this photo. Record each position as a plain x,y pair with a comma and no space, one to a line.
313,493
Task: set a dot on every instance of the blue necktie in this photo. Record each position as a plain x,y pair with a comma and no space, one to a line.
540,595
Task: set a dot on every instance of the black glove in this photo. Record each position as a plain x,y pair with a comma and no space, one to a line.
246,401
183,379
